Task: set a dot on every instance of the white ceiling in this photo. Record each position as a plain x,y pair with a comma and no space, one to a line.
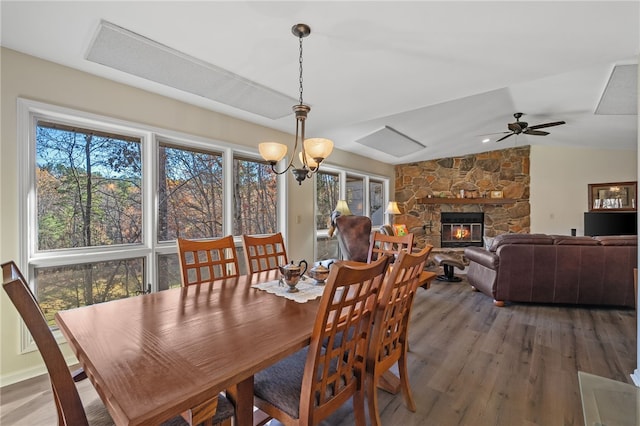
442,73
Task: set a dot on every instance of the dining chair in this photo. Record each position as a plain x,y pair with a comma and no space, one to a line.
390,245
389,344
309,385
205,261
264,253
69,407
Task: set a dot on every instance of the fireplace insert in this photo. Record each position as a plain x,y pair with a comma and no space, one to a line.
461,229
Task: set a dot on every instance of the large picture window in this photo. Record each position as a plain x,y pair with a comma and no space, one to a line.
106,200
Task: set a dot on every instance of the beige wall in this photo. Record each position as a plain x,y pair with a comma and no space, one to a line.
559,179
35,79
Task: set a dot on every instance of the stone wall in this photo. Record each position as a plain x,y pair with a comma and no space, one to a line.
477,174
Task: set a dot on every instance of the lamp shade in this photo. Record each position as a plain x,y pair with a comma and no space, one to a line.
272,151
310,161
343,208
318,148
392,208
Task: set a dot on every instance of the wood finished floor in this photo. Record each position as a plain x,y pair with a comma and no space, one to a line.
470,364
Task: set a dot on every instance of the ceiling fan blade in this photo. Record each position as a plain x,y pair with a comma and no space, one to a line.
535,132
496,133
504,137
541,126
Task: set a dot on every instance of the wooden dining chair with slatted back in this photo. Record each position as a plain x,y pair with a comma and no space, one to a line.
388,344
206,261
264,253
69,406
390,245
309,385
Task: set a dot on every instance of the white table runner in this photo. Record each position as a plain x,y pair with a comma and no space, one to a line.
307,290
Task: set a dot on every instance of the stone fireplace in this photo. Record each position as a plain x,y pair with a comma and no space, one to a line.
461,229
425,190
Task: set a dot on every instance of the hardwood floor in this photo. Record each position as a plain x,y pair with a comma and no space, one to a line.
470,364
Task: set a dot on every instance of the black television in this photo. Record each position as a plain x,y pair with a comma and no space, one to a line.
610,223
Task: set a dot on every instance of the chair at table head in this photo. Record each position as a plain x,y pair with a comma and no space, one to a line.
69,406
205,261
65,394
353,236
264,253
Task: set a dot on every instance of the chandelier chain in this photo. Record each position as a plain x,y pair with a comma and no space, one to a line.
300,79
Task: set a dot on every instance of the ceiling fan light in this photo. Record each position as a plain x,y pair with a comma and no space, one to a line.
272,151
318,148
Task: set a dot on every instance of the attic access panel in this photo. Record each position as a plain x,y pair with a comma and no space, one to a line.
392,142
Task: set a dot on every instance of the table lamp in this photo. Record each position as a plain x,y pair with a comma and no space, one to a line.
392,208
343,208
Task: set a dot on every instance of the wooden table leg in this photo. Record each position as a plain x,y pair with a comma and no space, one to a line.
242,397
389,382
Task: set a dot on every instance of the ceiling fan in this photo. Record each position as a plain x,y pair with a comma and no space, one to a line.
522,127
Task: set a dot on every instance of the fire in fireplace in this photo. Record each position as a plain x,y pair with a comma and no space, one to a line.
461,229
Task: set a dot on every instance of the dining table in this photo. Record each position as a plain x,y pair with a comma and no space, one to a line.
154,356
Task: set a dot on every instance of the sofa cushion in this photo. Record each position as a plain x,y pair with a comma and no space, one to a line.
504,239
617,240
565,240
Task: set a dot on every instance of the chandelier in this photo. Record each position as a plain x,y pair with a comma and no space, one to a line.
314,150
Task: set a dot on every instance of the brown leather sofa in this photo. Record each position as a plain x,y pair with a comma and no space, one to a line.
544,268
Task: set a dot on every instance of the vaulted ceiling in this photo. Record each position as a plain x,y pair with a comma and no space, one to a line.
445,74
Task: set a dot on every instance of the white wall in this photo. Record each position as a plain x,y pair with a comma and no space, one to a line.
29,77
559,183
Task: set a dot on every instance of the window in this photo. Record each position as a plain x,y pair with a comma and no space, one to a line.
88,194
106,200
254,197
355,195
88,189
376,202
190,188
327,196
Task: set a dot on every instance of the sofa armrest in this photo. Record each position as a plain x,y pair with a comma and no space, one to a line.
483,257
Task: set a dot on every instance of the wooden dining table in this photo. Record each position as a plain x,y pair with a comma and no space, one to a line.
155,356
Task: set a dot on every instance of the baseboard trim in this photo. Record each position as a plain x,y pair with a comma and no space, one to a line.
30,373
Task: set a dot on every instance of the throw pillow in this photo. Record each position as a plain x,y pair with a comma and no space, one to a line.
400,230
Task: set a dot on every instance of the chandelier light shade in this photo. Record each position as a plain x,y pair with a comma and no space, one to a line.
272,151
314,150
343,208
392,208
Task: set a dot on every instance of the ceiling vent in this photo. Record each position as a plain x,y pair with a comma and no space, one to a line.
392,142
620,97
123,50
